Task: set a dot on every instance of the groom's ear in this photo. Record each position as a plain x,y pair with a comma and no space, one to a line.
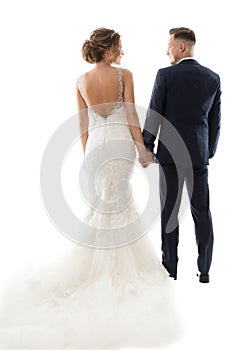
182,46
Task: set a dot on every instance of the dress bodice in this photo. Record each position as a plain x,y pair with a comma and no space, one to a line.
112,127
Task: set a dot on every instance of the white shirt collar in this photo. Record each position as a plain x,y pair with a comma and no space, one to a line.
186,58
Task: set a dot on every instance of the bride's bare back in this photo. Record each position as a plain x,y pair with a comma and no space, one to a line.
101,89
101,85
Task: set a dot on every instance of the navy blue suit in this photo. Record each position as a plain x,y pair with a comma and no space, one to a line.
185,110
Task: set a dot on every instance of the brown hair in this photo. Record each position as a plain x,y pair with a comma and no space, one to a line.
101,39
183,33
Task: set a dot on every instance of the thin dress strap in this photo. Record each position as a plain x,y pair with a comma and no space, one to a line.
80,90
121,86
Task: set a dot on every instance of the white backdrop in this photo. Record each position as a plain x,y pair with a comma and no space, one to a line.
40,62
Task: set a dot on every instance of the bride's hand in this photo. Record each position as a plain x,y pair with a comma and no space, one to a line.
146,157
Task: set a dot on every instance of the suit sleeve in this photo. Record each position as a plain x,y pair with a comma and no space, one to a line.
155,112
214,122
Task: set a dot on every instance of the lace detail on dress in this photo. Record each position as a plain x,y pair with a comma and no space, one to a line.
121,86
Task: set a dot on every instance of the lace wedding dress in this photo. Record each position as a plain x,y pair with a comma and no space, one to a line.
111,292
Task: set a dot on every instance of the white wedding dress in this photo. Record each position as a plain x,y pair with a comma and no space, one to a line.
110,291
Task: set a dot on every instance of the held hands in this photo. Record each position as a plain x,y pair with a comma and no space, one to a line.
146,157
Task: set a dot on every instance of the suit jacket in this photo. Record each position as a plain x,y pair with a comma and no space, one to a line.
185,101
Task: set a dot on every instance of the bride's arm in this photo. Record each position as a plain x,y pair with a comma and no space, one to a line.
83,119
132,116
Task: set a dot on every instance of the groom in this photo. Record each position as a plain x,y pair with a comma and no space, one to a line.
185,96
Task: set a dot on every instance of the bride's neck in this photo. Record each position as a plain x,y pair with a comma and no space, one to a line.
102,64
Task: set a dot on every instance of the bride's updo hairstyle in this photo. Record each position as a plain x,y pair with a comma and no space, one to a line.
101,39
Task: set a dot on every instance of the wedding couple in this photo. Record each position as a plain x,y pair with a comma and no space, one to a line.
114,291
184,109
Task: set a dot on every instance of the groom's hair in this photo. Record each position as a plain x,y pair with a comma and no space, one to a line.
183,33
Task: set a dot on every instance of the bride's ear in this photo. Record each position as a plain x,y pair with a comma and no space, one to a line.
108,55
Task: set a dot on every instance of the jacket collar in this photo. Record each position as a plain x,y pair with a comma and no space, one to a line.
187,60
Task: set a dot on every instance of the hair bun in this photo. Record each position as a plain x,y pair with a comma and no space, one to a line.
88,52
93,49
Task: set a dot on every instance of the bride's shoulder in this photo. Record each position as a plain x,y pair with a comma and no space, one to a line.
84,75
127,74
127,77
82,78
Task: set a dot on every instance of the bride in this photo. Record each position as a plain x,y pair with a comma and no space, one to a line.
111,289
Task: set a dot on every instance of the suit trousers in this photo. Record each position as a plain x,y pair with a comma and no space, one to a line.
171,182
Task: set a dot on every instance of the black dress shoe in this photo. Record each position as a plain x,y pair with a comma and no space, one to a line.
203,278
174,277
170,275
